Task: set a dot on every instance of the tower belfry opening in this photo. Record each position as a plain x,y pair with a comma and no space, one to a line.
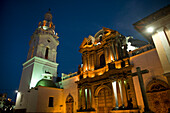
46,53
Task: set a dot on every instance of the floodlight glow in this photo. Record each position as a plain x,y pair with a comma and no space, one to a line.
16,91
111,58
150,29
115,92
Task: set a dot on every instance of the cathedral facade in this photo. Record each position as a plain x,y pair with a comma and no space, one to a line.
105,81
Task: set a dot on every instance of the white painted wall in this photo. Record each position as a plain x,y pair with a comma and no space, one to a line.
43,99
70,86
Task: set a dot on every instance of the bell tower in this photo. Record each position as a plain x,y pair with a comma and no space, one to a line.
41,59
44,41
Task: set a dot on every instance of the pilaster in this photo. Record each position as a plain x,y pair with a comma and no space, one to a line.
106,55
167,31
92,97
165,43
113,50
117,52
161,53
79,98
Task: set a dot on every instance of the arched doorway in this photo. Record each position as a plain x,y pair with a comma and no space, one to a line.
69,104
158,96
105,100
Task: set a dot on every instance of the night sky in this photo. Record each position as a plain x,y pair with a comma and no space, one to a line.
74,20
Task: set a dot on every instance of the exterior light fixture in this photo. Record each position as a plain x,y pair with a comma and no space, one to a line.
150,29
16,91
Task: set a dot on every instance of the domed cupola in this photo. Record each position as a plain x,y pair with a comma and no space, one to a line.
46,80
47,23
48,16
46,83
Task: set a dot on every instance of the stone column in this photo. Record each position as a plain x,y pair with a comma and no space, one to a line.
167,32
163,49
83,98
92,97
164,40
95,64
88,61
121,93
118,94
92,61
115,93
114,98
124,92
161,52
117,51
106,55
108,51
79,98
113,50
84,62
88,98
111,54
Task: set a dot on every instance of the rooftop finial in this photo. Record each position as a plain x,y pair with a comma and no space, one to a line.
48,15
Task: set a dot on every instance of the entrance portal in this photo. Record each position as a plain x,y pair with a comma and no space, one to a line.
104,101
69,104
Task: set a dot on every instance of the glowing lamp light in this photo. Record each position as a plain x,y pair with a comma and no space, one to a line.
150,29
111,58
16,91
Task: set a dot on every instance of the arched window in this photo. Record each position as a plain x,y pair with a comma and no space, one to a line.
156,85
100,38
102,61
46,53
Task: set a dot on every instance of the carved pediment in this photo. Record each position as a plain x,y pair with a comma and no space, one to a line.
87,42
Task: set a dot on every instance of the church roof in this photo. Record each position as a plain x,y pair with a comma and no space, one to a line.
46,83
137,42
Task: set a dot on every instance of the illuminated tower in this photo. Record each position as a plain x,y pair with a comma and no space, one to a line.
41,59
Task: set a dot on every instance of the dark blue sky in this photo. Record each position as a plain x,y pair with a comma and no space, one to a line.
74,20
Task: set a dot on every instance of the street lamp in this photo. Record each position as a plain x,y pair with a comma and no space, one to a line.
150,29
16,91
